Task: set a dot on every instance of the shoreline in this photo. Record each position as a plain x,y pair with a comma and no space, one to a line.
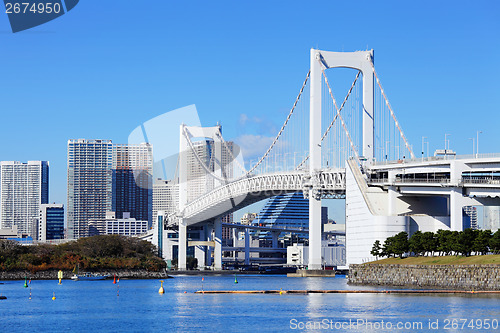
454,277
52,274
122,274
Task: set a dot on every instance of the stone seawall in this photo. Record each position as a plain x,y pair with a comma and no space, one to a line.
52,275
461,277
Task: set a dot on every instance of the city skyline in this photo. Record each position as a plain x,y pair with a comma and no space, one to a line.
436,62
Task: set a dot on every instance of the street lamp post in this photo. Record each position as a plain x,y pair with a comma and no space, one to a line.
477,143
424,137
446,144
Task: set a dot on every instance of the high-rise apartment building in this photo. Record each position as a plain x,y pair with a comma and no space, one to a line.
23,187
132,181
90,177
104,177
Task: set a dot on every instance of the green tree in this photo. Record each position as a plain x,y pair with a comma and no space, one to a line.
415,243
464,241
400,245
388,247
454,242
191,262
495,242
444,241
376,249
429,242
481,242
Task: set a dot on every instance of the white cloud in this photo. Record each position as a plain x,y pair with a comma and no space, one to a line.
253,146
243,119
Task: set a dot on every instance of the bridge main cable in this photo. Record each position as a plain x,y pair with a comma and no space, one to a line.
392,112
282,127
337,114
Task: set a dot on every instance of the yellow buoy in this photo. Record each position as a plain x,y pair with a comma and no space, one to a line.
53,296
161,290
60,276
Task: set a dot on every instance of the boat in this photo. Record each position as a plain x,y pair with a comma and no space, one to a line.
87,276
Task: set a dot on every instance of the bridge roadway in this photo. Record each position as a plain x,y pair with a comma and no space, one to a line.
241,193
330,183
478,176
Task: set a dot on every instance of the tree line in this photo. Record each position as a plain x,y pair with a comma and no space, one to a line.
443,242
91,253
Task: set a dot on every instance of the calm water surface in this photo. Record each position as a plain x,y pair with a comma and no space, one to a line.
136,306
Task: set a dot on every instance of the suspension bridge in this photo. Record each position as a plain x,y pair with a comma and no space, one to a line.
352,148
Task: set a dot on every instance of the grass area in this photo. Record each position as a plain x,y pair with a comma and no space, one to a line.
445,260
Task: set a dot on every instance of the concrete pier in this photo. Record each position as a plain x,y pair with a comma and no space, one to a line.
312,273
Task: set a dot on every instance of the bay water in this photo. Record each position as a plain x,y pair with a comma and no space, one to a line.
136,306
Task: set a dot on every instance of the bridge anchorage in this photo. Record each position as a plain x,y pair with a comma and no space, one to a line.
355,151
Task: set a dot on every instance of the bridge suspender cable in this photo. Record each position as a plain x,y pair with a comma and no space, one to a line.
392,112
343,103
282,127
338,113
268,150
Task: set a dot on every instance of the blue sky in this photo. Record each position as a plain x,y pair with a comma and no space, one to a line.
107,66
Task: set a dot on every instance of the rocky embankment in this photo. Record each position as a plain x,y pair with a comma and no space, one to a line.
52,275
457,277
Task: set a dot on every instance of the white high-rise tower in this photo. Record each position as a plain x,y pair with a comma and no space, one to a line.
24,186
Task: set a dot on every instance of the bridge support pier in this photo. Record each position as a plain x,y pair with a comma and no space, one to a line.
455,205
247,247
275,235
315,160
210,250
218,244
182,260
314,233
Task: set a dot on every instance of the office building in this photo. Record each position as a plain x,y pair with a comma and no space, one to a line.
51,222
199,181
126,226
165,197
90,165
289,210
23,188
247,218
132,181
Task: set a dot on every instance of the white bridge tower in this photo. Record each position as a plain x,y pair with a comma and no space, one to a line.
321,60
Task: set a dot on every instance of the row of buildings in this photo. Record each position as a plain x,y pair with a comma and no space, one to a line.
109,190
